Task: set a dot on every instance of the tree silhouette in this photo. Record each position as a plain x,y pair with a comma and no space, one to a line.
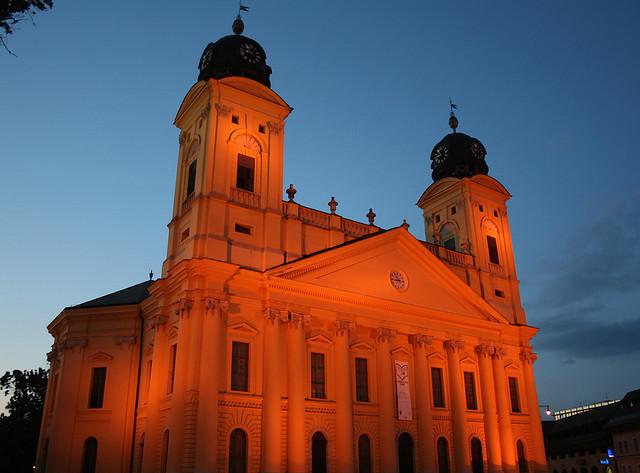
13,11
20,426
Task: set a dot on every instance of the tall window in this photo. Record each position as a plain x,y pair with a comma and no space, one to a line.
317,376
238,451
470,391
493,250
443,455
523,467
514,395
164,454
362,380
436,387
172,368
191,177
96,395
405,453
448,236
240,366
477,464
245,173
89,455
364,454
318,453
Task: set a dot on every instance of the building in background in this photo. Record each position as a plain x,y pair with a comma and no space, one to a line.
284,338
601,438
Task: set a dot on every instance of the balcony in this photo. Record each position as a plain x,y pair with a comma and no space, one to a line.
243,197
450,256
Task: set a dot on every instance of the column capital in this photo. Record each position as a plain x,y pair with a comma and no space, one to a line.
453,346
159,321
420,340
298,319
211,303
528,356
125,340
75,342
384,334
498,353
343,327
271,315
222,109
183,306
485,350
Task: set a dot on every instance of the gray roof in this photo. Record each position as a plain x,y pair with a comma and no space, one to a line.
130,295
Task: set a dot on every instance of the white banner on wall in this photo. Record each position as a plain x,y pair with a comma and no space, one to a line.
403,391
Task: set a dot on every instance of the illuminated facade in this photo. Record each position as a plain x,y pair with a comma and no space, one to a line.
286,339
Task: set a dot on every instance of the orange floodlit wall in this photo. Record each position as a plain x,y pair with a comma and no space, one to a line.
285,339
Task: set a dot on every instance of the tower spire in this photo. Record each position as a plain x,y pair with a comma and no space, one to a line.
453,120
238,24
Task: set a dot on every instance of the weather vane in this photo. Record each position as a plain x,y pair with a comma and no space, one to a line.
241,8
453,120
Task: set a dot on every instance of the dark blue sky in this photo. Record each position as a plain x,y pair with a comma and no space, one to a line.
550,87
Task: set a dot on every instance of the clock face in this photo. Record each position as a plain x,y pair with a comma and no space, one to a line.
206,57
477,150
398,280
440,154
250,53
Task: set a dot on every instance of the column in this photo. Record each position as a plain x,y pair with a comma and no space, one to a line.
192,398
426,447
271,395
344,402
458,407
504,411
487,390
296,374
211,371
539,457
157,390
386,414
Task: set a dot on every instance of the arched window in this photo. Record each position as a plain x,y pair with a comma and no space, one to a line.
443,455
364,454
318,453
477,464
192,162
164,456
238,451
405,453
448,236
89,455
140,453
523,467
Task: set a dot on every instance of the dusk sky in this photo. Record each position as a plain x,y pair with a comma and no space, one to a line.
550,87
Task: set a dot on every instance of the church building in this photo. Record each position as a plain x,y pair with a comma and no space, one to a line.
282,338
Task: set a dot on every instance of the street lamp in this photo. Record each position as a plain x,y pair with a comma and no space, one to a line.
547,409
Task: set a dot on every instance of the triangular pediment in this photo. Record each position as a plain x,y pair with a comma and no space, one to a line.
242,327
393,266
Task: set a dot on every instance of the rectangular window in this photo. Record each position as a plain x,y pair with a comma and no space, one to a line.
450,244
470,391
244,229
362,380
98,378
437,387
191,180
493,250
172,368
244,175
239,366
317,376
513,393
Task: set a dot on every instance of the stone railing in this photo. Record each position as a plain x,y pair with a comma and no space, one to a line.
350,228
496,268
186,205
354,229
314,217
243,197
451,256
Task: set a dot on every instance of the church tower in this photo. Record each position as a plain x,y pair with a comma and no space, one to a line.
228,192
465,210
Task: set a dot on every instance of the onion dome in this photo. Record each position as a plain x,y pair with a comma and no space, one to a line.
235,55
458,155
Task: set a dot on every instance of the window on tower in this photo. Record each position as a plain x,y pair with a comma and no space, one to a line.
492,244
245,173
448,236
98,378
191,178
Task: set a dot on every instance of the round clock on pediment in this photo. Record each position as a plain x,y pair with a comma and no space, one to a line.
398,279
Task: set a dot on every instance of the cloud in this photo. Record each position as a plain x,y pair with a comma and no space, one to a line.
594,340
588,305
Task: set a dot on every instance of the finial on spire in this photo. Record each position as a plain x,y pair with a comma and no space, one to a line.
333,205
238,24
371,216
453,120
291,192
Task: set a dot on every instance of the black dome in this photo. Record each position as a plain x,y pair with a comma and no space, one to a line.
458,155
235,55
